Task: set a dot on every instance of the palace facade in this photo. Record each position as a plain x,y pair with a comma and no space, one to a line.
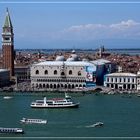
69,74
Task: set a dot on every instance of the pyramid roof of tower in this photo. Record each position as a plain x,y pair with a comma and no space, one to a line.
7,22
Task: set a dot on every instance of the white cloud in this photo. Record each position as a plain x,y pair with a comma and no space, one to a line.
124,29
85,27
125,24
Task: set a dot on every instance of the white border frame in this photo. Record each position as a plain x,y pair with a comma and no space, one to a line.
70,2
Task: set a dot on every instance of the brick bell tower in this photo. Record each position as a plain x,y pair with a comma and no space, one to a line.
8,44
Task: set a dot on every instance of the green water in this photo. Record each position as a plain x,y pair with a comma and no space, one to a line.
121,116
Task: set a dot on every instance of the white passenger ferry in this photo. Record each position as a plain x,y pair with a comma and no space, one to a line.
33,121
55,103
11,130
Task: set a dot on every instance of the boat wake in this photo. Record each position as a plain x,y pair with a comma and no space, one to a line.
97,124
90,126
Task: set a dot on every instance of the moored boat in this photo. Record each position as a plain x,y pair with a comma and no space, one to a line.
55,103
138,95
33,121
7,97
11,130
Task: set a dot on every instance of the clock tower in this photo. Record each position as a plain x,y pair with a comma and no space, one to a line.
8,44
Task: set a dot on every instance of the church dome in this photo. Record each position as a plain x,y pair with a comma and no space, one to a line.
73,51
84,59
60,58
71,59
74,56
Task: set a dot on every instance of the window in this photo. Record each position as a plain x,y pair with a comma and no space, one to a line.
133,80
46,72
37,72
124,86
70,72
124,80
6,38
62,73
107,79
79,73
55,72
120,80
54,86
111,79
133,86
51,86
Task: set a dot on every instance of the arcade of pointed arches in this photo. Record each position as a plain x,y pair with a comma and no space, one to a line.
56,83
56,86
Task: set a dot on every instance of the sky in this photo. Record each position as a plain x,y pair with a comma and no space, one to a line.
73,24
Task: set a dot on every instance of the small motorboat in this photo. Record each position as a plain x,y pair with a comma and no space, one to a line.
97,124
7,97
33,121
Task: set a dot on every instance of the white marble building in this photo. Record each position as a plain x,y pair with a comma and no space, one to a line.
62,75
121,81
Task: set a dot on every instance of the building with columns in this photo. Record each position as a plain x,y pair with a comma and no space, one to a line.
72,73
8,44
121,81
54,75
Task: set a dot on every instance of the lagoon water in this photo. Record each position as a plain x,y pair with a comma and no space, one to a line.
120,115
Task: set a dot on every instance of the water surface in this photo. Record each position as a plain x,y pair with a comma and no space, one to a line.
120,116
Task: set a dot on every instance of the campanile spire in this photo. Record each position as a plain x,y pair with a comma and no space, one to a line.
7,22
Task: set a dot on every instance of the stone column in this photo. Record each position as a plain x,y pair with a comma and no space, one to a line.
130,86
126,87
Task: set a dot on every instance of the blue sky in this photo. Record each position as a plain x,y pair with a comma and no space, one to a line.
74,25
